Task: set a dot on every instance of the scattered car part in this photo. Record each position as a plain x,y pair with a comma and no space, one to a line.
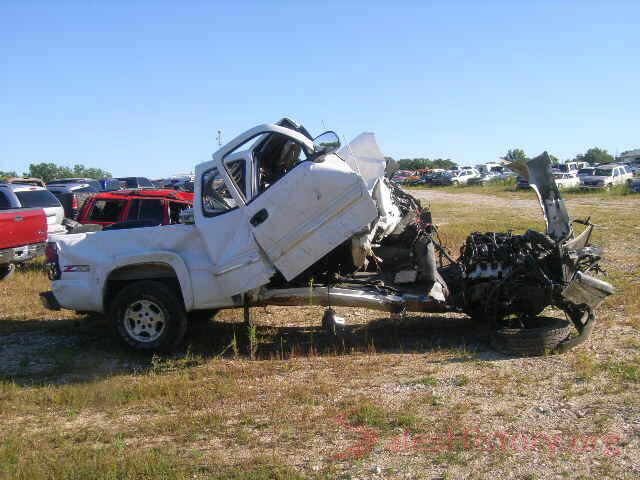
531,336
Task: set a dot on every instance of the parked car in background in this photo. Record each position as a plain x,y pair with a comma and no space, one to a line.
23,231
26,181
566,180
635,185
568,167
485,178
401,175
31,196
110,184
67,181
177,182
136,182
606,176
586,172
463,176
72,196
152,206
441,178
490,167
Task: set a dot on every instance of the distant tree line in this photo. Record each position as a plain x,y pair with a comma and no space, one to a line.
593,155
422,163
51,171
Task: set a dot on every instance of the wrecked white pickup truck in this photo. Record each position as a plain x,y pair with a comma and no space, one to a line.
282,219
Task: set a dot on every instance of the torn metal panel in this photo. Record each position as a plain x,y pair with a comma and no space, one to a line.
587,290
538,172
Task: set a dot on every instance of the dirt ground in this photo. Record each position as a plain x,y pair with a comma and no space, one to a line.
426,398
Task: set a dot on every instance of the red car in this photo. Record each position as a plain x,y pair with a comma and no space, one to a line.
152,207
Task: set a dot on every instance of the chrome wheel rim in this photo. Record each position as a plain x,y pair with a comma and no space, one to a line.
144,321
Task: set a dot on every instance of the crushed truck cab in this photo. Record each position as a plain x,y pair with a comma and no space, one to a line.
281,218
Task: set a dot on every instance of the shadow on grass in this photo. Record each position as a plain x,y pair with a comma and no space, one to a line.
36,352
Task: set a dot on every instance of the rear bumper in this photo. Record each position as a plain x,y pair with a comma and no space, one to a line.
21,254
6,256
49,301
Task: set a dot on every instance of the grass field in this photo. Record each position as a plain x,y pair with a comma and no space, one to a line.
424,399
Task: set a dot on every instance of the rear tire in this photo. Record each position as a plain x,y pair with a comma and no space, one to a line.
149,316
543,335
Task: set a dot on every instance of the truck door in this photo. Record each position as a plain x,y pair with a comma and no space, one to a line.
303,205
239,265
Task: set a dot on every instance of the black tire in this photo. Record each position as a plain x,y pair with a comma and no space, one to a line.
6,271
202,316
164,321
542,335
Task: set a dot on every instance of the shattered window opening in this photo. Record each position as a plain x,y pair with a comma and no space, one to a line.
216,198
275,156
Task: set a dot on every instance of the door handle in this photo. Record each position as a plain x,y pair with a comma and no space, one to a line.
259,217
18,218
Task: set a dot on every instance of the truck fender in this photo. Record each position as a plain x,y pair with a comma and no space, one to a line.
171,259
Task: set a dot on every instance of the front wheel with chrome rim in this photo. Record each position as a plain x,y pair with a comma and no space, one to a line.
149,316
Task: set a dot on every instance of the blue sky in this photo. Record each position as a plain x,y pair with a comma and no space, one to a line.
140,88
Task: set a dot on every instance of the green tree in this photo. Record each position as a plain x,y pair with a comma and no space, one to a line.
595,155
515,155
422,163
51,171
97,173
445,163
47,171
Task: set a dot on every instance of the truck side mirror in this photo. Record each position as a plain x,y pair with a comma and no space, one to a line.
327,142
